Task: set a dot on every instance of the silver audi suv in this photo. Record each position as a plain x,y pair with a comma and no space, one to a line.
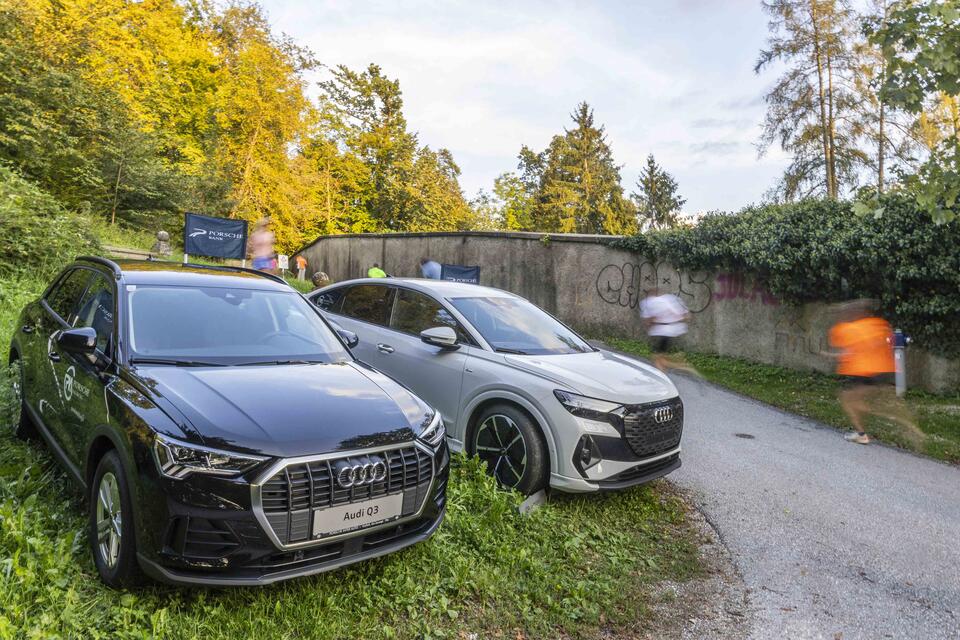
514,385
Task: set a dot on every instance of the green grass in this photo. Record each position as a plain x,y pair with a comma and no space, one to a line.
573,567
814,395
576,567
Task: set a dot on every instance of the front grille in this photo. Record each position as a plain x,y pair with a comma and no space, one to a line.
291,496
648,437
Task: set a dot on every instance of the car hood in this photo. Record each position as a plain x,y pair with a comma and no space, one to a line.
289,410
600,374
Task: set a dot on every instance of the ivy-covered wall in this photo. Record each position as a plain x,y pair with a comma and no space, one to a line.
819,251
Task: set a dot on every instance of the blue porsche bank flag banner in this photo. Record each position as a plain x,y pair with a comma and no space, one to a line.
216,237
459,273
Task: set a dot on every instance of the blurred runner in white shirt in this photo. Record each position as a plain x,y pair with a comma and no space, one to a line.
665,317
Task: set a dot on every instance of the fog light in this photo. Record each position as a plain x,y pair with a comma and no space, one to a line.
586,455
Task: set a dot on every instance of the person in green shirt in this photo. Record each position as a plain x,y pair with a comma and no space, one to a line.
376,272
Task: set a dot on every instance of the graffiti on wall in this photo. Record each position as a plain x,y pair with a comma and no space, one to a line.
793,337
732,286
627,284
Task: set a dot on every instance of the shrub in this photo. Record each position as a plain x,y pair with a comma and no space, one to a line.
37,236
820,251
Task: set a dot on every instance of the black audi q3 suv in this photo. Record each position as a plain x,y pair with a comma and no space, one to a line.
220,427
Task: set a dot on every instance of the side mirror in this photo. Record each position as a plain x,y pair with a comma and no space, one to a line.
349,337
443,337
82,341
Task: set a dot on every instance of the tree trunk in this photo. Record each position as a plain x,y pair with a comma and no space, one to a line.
832,130
329,202
116,194
881,149
818,58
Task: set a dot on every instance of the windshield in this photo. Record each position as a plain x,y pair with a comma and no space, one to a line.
221,325
513,325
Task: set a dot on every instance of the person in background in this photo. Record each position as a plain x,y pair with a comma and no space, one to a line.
261,240
320,279
301,268
430,268
665,317
376,272
863,344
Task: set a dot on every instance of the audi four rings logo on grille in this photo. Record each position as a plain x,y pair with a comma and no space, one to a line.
663,414
355,475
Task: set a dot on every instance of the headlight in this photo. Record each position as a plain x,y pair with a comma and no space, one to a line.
584,407
178,460
434,432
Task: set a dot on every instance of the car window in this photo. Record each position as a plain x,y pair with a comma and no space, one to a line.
64,297
414,312
96,311
514,325
330,300
368,302
226,325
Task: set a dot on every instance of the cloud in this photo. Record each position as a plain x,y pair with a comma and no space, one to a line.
482,79
716,147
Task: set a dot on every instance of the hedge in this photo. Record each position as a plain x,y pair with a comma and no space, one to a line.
819,250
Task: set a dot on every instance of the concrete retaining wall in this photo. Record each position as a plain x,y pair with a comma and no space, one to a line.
598,289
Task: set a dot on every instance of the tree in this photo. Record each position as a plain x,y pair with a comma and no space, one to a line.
407,187
658,203
809,107
921,46
575,183
889,135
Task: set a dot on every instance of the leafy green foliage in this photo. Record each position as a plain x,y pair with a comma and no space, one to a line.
658,203
814,395
818,251
921,45
36,235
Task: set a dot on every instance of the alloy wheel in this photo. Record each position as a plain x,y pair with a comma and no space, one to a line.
500,444
109,519
17,381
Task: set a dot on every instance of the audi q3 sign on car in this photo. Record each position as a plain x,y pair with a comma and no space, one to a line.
515,386
222,430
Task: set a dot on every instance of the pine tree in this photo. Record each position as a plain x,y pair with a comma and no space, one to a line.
658,203
577,182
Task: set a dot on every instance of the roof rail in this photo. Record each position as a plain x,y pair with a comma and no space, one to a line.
113,266
255,272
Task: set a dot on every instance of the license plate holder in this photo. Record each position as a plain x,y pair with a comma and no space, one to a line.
358,515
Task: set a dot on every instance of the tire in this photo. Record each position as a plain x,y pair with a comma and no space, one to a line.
114,556
512,445
23,426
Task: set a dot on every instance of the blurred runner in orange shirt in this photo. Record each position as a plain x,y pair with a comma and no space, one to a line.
864,353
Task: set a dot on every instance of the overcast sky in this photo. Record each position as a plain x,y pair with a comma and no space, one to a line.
672,78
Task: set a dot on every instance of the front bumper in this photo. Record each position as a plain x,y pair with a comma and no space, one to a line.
213,531
640,445
359,549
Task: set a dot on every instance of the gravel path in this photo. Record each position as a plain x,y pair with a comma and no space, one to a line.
833,540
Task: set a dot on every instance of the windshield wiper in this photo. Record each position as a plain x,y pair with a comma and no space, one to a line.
176,363
508,350
256,362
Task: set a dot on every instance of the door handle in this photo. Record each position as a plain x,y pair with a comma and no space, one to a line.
26,329
54,356
384,348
